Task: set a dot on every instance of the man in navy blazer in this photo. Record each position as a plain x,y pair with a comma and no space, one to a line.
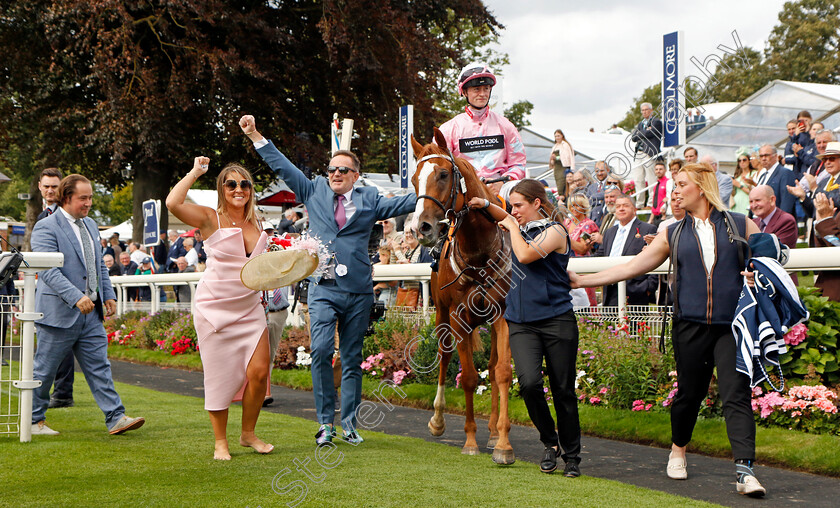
342,218
68,296
777,177
631,232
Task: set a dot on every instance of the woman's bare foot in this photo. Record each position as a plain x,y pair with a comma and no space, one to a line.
251,440
221,452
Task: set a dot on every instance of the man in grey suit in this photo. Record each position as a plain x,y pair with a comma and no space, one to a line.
342,218
68,297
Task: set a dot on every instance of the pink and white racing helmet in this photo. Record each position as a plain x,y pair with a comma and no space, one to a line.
475,74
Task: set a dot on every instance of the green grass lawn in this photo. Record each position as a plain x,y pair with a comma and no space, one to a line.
791,449
169,462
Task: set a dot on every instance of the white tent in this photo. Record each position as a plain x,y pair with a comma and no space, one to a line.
763,116
124,230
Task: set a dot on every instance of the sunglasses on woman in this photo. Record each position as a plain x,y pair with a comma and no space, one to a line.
743,160
341,169
243,184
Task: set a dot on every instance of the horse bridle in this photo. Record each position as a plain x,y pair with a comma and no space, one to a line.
453,191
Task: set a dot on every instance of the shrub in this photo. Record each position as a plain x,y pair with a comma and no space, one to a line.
806,408
157,326
617,369
179,337
815,358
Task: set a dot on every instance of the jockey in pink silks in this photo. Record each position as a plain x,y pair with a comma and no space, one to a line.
485,138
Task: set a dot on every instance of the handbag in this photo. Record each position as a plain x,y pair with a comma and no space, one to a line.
408,297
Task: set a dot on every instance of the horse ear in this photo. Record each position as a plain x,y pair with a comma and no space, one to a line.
440,139
418,148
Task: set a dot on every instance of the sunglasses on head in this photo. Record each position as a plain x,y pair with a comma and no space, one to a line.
341,169
232,184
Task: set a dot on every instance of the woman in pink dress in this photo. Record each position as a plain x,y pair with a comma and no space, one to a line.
229,319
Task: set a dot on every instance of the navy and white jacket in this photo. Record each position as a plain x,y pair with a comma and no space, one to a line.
764,314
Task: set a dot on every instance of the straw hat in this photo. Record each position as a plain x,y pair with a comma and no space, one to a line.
277,269
831,148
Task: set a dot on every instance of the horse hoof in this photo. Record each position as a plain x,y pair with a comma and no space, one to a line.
435,430
491,443
503,457
470,450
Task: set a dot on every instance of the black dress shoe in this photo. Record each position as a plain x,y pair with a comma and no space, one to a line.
268,401
56,403
549,461
572,470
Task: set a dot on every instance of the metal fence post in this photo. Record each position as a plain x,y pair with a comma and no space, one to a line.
27,352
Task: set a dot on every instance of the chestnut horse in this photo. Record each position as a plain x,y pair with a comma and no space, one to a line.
469,286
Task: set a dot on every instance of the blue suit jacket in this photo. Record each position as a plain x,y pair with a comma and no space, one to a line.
350,244
779,180
59,289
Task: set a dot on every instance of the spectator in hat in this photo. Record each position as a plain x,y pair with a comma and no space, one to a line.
144,294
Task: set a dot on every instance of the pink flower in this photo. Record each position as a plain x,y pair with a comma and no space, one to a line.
594,400
647,407
458,380
399,376
796,335
604,391
582,397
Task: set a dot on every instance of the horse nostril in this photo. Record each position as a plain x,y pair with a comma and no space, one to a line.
425,228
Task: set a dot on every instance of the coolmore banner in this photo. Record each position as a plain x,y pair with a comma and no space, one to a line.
405,157
673,100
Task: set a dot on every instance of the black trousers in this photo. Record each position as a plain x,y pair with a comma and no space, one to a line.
698,348
556,340
63,387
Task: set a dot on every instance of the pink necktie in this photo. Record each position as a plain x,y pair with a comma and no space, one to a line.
340,214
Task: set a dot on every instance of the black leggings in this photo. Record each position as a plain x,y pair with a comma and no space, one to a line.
556,340
698,348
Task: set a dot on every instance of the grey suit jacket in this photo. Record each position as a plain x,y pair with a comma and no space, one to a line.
59,289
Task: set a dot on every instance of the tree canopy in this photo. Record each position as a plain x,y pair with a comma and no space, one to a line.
107,83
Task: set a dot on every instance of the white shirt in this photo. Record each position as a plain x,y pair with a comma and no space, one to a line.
191,257
761,179
620,239
706,234
78,234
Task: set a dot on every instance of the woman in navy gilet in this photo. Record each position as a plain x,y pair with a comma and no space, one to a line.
705,308
541,320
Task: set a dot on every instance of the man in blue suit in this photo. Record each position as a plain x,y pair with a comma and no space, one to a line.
342,218
778,177
68,297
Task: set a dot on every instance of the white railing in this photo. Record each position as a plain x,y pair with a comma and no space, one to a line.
827,258
34,263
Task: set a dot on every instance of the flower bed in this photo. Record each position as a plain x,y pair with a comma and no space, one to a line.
615,369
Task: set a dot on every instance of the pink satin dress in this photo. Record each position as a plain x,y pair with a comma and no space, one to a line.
229,318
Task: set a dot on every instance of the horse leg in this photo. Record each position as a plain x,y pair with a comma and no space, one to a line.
503,452
494,393
437,424
469,380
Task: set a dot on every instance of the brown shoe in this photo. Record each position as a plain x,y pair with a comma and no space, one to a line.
127,423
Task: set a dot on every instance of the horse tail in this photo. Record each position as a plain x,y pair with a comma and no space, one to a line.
476,342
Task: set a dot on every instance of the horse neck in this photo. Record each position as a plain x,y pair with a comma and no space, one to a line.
477,238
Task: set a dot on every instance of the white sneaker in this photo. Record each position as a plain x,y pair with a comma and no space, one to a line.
750,486
41,429
676,468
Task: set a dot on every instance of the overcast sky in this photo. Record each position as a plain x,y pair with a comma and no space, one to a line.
581,63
